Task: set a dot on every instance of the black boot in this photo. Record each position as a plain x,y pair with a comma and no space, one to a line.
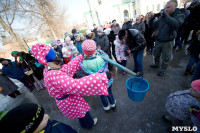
188,71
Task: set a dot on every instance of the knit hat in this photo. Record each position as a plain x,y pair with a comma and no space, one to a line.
89,47
53,43
65,33
196,2
14,52
196,85
88,32
74,31
67,39
107,31
43,53
58,39
77,35
100,30
23,119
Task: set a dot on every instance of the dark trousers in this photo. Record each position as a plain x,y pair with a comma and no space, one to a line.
14,94
110,98
87,121
27,82
123,63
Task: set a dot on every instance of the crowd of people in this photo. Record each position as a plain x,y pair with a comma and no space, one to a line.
74,67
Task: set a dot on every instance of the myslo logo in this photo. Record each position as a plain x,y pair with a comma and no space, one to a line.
184,128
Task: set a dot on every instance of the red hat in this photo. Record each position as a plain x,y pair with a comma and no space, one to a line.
196,85
89,47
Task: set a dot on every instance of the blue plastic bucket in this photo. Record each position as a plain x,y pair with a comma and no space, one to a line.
138,90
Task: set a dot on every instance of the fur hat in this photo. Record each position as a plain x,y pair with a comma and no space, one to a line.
23,119
89,47
196,85
43,53
88,32
100,29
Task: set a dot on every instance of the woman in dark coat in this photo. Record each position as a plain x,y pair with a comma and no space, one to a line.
7,86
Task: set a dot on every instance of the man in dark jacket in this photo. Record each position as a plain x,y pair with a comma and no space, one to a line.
139,25
127,24
95,30
136,44
16,72
167,25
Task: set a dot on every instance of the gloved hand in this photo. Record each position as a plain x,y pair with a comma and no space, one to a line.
110,75
163,14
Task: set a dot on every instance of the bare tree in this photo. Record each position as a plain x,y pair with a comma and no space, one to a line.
8,11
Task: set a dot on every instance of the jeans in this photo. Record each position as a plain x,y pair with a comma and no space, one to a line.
87,121
110,98
178,38
123,63
196,74
138,60
27,82
192,61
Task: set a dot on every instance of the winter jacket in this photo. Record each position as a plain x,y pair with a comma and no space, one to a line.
96,64
79,46
116,28
194,48
178,104
28,62
135,40
68,91
59,52
120,50
140,27
72,48
127,25
167,26
95,32
7,85
104,44
194,17
12,71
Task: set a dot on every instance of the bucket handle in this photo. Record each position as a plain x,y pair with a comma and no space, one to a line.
134,79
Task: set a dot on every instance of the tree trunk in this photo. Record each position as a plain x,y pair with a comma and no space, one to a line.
11,32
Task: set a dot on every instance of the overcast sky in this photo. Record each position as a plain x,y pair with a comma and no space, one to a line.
76,9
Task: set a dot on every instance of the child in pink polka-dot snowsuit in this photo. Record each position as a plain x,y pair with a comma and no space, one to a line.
60,83
66,90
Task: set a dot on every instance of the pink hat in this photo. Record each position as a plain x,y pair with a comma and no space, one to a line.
89,47
196,85
43,53
67,39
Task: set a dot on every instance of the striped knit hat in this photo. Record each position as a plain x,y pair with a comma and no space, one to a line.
89,47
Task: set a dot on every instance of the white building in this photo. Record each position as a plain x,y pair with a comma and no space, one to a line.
102,11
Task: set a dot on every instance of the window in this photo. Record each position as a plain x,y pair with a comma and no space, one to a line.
158,7
126,13
152,7
135,12
147,9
